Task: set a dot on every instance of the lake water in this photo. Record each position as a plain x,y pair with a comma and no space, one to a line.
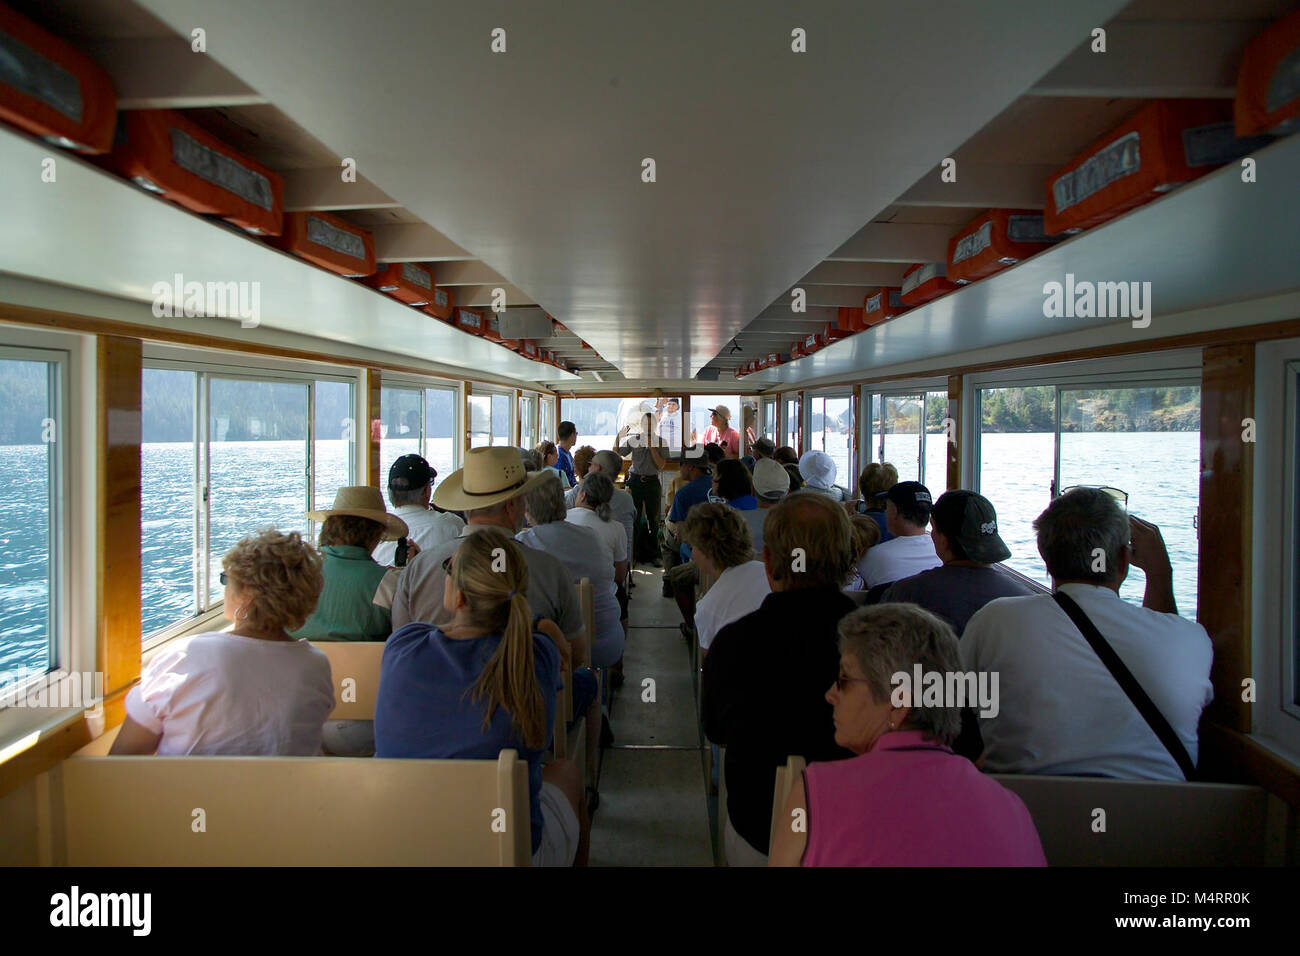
259,483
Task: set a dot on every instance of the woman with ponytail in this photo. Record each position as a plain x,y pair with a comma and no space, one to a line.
483,683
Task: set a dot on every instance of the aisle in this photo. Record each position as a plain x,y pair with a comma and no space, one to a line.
654,803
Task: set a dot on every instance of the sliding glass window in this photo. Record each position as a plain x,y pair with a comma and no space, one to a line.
831,429
225,453
417,420
32,440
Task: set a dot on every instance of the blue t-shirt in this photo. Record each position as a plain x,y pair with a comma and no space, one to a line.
744,503
564,462
423,710
688,496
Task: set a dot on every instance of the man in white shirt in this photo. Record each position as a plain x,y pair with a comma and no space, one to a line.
723,549
911,550
1061,711
410,486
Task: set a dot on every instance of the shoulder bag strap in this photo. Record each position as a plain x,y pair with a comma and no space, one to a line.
1129,684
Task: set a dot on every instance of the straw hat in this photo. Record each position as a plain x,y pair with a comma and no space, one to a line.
362,501
490,476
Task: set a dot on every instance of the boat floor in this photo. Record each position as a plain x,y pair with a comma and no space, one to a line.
655,806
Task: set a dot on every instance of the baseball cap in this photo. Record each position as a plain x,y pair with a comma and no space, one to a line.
912,499
723,411
694,455
970,521
410,473
771,481
818,469
764,447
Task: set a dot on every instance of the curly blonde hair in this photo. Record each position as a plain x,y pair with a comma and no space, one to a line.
720,532
282,572
866,535
582,460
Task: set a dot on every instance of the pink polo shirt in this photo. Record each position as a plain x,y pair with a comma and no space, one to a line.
911,802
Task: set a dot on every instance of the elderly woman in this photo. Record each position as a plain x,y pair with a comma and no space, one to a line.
724,552
357,601
253,690
906,799
818,472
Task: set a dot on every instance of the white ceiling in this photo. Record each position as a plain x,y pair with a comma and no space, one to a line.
767,160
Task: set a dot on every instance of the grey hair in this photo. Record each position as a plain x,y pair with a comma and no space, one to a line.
545,502
611,463
401,497
885,639
1074,527
598,488
531,458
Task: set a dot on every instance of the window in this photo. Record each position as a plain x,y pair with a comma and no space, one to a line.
30,511
702,420
906,429
546,423
1139,437
831,429
224,453
768,425
417,420
791,434
502,433
599,420
480,421
527,420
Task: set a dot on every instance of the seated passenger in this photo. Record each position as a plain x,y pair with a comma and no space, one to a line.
734,485
696,472
964,528
818,472
410,486
765,679
622,506
592,510
253,690
771,485
580,550
906,799
549,456
796,479
356,602
724,552
532,459
486,682
1062,711
785,455
875,480
866,535
910,551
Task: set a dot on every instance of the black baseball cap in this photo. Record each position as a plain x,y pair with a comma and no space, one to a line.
970,521
694,455
912,499
411,473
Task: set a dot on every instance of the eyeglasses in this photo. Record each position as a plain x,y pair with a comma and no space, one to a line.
223,579
842,682
1118,494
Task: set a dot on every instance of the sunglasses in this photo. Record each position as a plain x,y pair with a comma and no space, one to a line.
223,579
843,681
446,564
1118,494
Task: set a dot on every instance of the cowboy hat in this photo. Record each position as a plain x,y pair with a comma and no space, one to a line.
490,476
362,501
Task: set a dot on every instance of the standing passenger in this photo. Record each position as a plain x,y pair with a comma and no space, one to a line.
648,460
721,432
567,437
252,691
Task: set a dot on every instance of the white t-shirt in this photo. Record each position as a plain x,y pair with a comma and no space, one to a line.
429,529
898,558
1061,711
226,694
611,532
737,592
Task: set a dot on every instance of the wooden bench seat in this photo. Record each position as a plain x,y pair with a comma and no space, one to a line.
284,811
1147,822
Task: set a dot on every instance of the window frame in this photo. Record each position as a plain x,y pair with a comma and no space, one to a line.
206,367
903,388
490,392
1275,653
421,383
849,481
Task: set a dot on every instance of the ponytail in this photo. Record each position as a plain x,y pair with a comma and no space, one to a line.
497,600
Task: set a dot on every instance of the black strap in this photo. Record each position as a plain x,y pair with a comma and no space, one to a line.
1128,683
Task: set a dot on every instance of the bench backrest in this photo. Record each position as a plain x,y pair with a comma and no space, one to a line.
355,663
1146,822
286,811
